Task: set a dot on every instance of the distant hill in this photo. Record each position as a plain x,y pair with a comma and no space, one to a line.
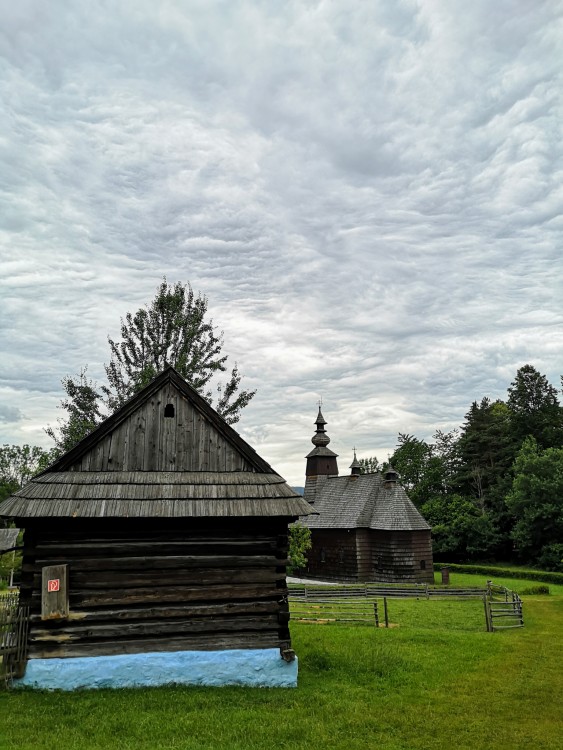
300,490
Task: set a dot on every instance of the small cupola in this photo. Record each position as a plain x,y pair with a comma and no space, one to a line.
355,467
391,478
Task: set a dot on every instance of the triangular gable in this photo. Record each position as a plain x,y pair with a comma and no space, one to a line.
139,437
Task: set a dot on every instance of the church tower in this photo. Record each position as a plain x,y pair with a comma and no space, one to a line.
321,460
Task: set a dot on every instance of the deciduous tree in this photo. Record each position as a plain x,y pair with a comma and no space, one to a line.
173,329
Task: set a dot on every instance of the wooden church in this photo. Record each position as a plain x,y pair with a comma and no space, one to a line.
155,552
367,528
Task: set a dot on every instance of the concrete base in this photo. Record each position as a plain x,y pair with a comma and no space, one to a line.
248,667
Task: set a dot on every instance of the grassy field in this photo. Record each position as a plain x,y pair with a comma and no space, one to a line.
436,680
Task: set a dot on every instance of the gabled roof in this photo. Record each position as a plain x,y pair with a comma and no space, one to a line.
364,502
225,476
169,375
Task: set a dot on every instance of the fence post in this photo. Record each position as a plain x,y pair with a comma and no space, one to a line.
488,623
386,612
376,614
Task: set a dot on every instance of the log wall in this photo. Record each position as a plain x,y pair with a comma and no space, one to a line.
136,587
333,554
397,556
368,555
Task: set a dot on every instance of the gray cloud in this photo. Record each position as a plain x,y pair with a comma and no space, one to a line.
370,197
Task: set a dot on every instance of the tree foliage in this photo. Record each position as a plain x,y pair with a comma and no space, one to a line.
299,544
83,407
173,329
487,491
369,465
535,408
536,501
18,463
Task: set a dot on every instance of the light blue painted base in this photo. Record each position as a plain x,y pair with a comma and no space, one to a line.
248,667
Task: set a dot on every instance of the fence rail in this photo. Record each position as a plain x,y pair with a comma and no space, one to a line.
316,603
14,625
410,591
503,608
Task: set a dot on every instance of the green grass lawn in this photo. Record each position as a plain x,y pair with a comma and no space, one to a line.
437,680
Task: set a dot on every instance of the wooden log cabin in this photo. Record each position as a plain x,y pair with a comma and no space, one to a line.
367,528
169,536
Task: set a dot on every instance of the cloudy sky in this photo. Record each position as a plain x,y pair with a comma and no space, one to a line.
370,194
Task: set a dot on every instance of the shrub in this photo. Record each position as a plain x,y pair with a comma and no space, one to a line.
533,590
491,570
551,557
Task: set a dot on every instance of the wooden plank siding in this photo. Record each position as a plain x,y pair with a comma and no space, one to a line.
333,554
370,555
397,556
152,586
148,441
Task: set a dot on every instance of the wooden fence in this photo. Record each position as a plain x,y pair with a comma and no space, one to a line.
309,604
14,625
369,590
503,608
318,603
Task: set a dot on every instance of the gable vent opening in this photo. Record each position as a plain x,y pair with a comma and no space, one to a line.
169,410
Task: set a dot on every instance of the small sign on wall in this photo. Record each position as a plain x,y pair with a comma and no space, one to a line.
54,592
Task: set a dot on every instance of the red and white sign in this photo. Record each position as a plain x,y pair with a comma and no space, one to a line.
54,584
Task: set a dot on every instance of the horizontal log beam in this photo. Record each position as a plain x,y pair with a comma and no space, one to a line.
174,594
151,628
191,610
146,547
116,579
219,642
161,562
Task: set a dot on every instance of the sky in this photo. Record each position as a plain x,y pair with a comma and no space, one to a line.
370,195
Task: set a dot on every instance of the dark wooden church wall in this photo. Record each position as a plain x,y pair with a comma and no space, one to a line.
136,587
397,555
333,554
149,441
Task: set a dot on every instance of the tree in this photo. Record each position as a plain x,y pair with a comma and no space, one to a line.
535,408
369,465
461,531
83,406
536,501
421,472
299,544
18,463
172,330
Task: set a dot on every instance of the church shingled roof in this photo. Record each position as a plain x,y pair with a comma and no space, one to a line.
364,502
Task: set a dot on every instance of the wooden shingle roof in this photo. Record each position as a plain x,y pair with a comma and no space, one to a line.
155,494
364,502
140,462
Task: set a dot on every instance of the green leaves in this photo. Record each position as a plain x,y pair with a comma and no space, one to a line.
172,329
536,502
299,544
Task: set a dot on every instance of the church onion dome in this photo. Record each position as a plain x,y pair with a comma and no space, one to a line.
321,461
320,439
